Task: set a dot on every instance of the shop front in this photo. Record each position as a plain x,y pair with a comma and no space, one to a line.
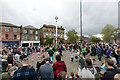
10,43
30,43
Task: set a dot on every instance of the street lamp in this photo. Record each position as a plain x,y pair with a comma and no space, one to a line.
56,18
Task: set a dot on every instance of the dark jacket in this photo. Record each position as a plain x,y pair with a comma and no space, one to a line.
25,73
10,59
50,53
110,73
39,64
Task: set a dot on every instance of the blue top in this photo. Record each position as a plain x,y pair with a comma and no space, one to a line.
71,55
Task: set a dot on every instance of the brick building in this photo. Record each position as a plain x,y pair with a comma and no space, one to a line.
9,34
30,36
50,31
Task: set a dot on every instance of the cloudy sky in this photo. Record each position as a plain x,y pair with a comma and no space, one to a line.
96,13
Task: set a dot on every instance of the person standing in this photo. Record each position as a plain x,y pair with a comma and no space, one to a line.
58,66
72,56
84,51
46,71
25,72
60,51
99,52
93,50
76,55
10,58
50,52
17,57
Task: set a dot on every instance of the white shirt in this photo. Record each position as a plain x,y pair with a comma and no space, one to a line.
17,57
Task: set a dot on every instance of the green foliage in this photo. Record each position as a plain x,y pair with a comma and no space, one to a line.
108,31
48,41
72,36
94,39
116,34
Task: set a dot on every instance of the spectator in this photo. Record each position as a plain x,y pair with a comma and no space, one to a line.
10,58
46,71
23,56
99,53
90,67
71,76
111,71
17,57
58,66
113,59
40,62
25,72
0,56
12,70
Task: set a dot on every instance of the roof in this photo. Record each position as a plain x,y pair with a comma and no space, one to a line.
30,26
52,26
6,24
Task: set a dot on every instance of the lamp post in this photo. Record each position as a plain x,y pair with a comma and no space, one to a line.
81,18
56,18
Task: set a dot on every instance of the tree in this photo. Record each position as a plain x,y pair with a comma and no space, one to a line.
108,31
94,39
48,41
72,36
116,34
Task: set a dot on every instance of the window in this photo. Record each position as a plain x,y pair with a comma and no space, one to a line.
25,31
6,36
61,34
30,37
25,37
58,34
15,29
15,37
36,32
31,31
36,37
6,29
47,34
50,34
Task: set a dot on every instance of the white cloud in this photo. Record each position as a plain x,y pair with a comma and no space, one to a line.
96,13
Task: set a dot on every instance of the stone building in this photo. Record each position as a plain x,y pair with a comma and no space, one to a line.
30,36
9,35
50,31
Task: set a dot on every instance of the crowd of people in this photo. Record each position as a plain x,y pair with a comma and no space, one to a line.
15,63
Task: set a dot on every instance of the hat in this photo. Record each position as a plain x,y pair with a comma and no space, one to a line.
48,59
